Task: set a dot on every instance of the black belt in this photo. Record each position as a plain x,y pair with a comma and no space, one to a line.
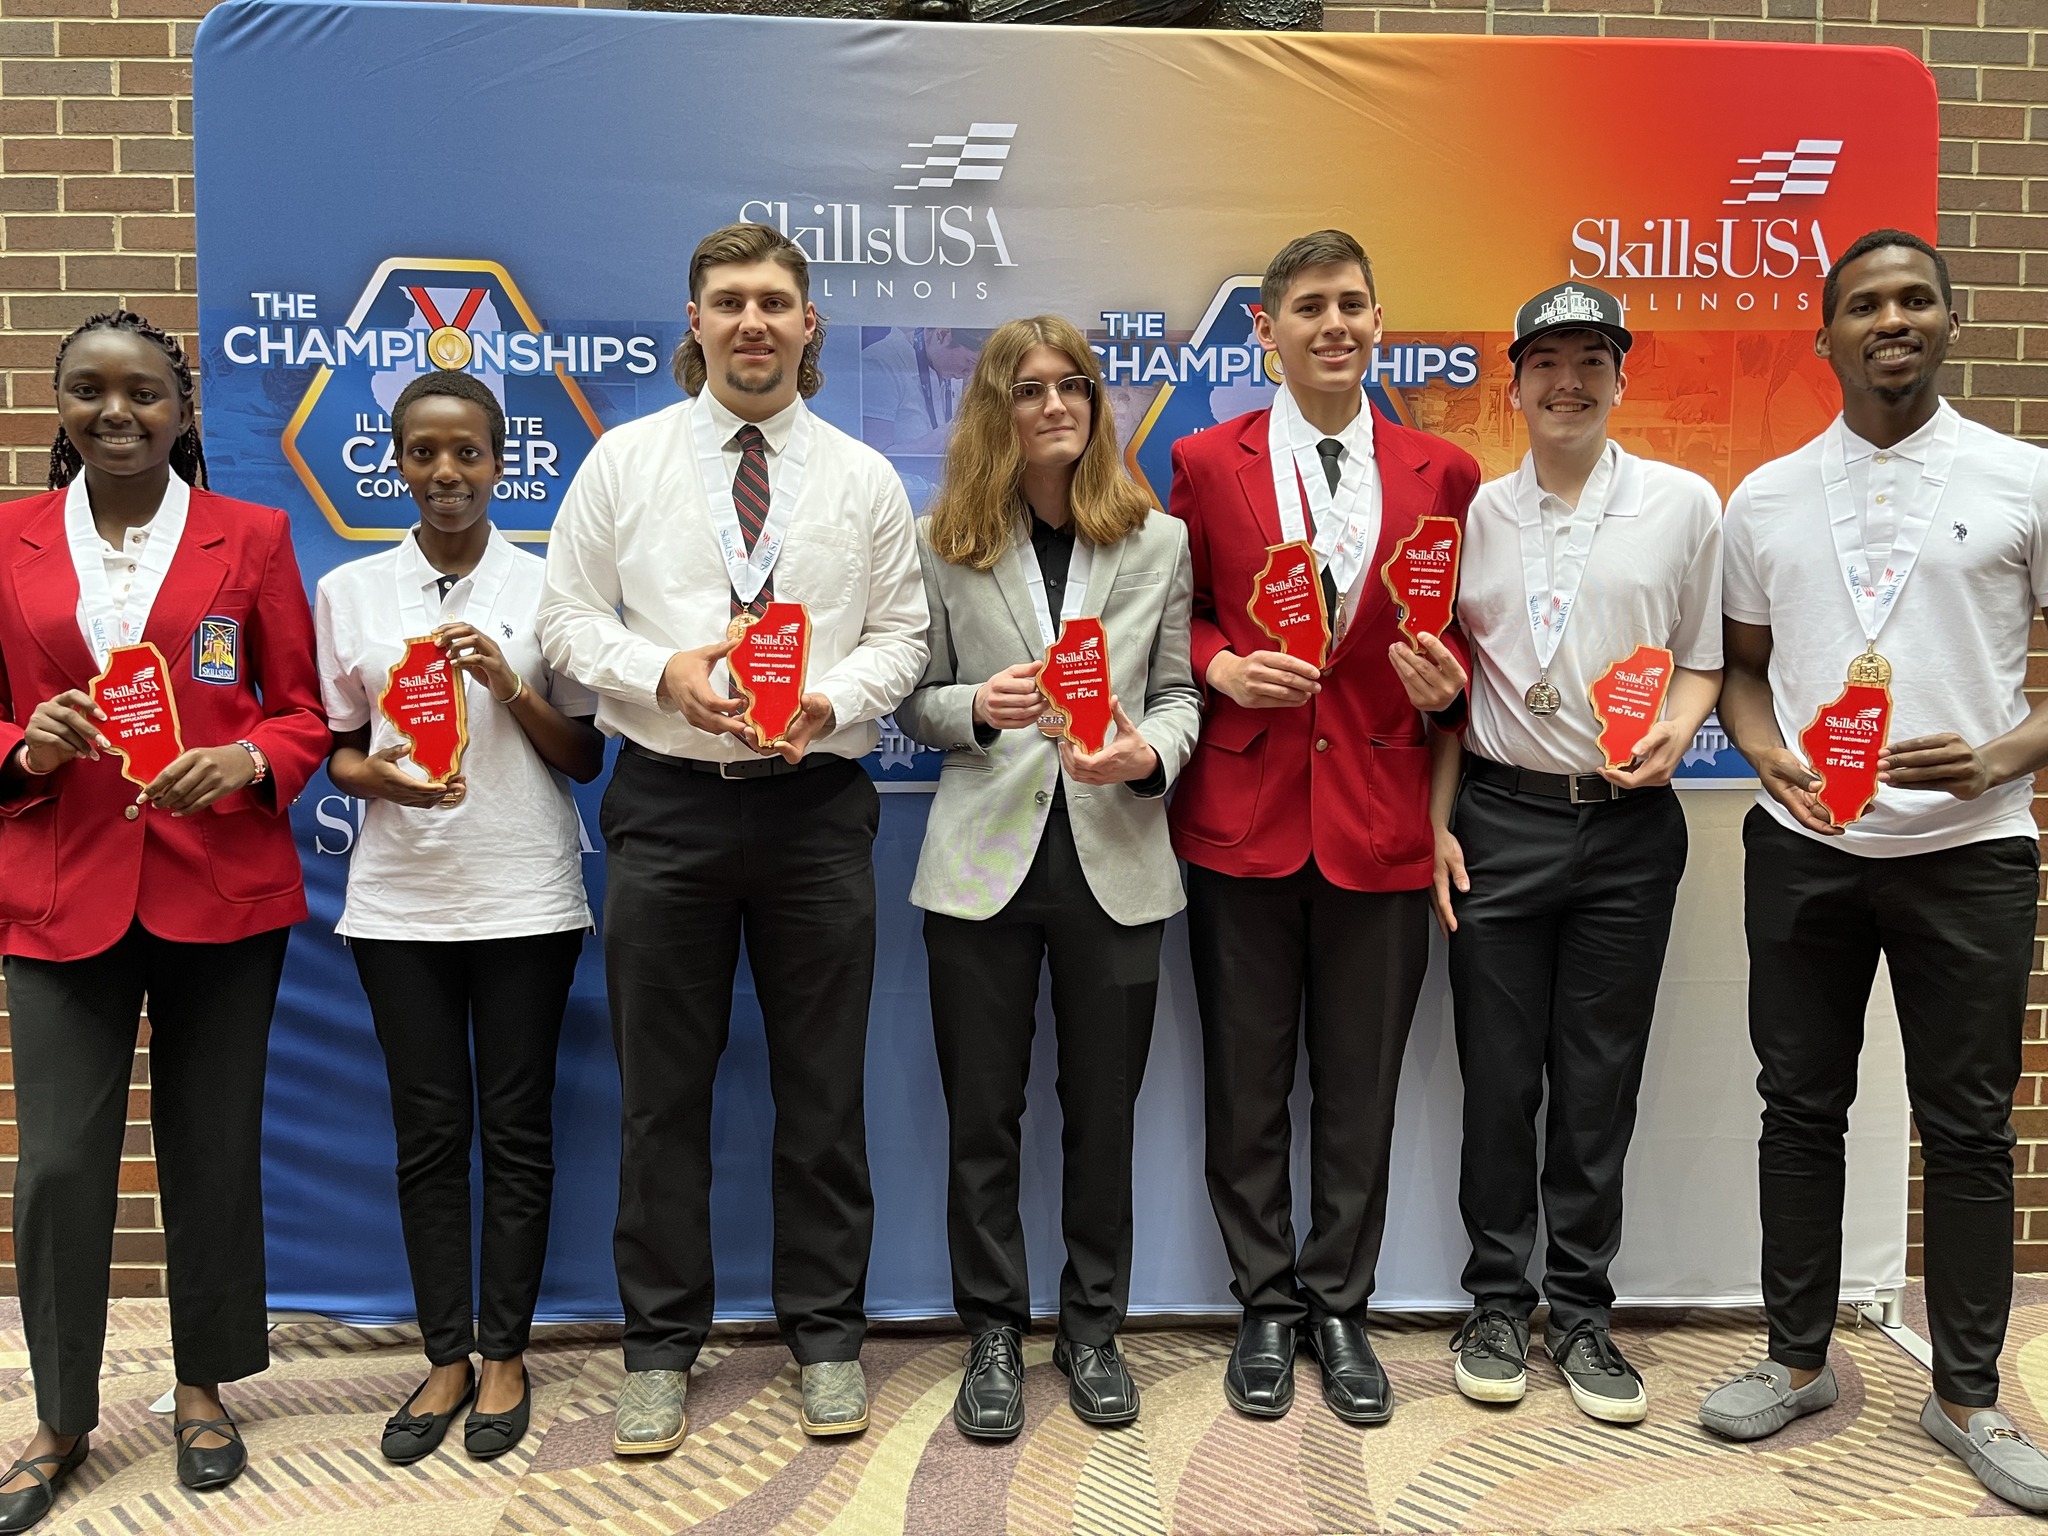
757,768
1578,788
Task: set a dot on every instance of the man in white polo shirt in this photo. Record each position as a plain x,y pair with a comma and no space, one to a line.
1556,874
1904,549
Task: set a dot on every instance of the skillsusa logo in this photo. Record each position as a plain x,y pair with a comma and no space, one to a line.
415,316
976,155
1798,172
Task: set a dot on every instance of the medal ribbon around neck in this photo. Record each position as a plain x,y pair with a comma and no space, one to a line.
1553,595
1876,593
103,629
1343,521
749,572
1071,599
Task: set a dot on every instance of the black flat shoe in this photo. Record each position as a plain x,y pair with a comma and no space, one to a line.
1099,1385
216,1466
990,1403
1354,1383
1260,1377
409,1436
487,1436
19,1511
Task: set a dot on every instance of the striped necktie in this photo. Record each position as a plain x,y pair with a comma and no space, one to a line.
750,501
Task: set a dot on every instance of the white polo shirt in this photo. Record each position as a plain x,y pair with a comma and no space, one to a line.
1653,577
506,861
1956,638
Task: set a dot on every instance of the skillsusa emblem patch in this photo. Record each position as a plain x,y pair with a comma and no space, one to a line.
217,651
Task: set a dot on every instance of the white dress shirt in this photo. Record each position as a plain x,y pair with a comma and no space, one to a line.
635,574
1356,467
1956,638
506,861
1652,577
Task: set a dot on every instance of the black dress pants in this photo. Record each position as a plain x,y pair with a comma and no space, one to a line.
1957,929
74,1027
1554,971
429,1001
984,989
696,863
1272,958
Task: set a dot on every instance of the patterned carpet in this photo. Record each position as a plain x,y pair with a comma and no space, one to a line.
1190,1467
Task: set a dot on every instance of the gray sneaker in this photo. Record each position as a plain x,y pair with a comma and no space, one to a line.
649,1419
1491,1346
1763,1401
1998,1455
835,1398
1603,1384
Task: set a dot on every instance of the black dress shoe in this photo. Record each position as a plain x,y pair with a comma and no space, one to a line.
1099,1387
990,1404
1260,1377
408,1436
1354,1384
19,1511
487,1436
214,1466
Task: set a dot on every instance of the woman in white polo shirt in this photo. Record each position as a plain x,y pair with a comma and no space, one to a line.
466,909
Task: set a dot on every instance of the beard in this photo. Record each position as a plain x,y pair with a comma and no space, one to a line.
1899,394
767,386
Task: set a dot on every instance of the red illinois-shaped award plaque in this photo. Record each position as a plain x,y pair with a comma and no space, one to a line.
1627,698
423,701
767,667
1846,736
1287,603
1422,577
1075,681
142,714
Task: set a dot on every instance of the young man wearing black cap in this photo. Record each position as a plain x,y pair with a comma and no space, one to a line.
1555,874
1903,550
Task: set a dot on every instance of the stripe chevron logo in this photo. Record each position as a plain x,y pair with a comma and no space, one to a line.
976,155
1800,172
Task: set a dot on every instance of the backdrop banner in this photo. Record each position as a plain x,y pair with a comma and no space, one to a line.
384,189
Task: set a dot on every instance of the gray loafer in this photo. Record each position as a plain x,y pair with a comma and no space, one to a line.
1997,1454
649,1419
835,1399
1763,1401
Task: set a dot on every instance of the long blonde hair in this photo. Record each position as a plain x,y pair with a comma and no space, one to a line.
976,512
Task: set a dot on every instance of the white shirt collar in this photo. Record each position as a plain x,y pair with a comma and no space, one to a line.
1356,436
1528,491
1916,447
416,571
775,429
78,509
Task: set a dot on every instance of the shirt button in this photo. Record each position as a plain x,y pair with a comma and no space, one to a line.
1042,797
132,812
1884,458
1322,743
1880,501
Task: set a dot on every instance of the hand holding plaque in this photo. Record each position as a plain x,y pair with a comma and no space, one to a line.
1422,577
1844,741
134,695
423,700
1627,699
1075,682
1287,603
767,667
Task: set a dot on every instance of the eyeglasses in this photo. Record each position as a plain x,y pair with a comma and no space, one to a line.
1073,389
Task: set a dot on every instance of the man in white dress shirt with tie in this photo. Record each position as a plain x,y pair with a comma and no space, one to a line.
1905,549
674,525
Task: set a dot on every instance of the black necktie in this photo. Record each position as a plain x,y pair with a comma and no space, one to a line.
750,501
1331,450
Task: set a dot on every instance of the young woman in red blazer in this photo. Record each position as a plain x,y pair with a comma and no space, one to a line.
183,892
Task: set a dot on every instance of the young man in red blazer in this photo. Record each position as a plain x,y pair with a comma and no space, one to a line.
1304,820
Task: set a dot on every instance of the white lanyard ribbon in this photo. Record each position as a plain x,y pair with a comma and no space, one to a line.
748,572
105,624
1876,592
1552,594
1071,599
1347,523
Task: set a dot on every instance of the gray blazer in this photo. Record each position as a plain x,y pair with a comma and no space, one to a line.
991,807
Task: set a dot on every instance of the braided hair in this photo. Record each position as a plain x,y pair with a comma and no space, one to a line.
188,457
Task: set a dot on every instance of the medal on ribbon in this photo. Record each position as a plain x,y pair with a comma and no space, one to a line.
767,668
1627,699
1846,736
134,692
1287,603
1075,682
1422,577
423,700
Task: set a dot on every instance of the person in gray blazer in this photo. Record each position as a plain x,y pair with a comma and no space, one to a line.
1039,851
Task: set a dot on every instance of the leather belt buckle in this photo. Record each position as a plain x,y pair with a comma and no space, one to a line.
1574,783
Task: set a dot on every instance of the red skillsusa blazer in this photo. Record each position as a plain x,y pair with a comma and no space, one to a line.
74,869
1345,776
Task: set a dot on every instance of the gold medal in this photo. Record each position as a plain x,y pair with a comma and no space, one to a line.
449,348
1871,668
1543,697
